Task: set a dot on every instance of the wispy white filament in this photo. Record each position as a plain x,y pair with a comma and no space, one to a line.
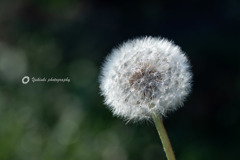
145,75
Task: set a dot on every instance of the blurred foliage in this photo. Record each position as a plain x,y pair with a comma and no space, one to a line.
70,38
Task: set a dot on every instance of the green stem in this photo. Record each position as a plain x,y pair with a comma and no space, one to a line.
163,136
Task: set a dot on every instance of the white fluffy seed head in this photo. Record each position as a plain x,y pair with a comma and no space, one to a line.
145,75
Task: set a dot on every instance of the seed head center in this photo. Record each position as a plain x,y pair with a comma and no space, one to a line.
145,81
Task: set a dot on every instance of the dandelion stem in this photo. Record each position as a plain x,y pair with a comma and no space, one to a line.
163,136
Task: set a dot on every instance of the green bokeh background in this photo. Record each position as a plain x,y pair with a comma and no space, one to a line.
70,38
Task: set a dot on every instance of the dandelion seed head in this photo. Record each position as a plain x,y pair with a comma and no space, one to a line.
145,75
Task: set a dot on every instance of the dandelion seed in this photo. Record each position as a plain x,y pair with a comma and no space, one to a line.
144,76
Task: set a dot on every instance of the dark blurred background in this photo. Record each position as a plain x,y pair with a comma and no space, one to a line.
70,38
